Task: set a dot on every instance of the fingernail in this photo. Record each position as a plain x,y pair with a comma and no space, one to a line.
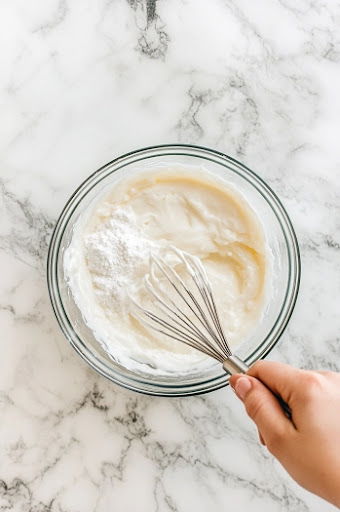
242,387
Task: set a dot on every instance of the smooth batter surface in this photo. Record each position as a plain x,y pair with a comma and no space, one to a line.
109,255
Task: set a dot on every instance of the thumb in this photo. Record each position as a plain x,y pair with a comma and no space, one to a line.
263,408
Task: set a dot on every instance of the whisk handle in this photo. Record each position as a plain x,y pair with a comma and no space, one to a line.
234,365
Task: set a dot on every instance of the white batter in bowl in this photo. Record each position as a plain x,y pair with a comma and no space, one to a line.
200,201
184,207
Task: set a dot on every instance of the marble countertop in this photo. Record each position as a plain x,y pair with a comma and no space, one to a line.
81,82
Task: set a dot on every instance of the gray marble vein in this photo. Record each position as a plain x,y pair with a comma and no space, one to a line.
81,83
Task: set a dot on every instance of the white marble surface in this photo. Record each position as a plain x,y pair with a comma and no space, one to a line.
81,82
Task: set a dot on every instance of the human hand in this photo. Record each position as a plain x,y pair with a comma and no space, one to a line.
308,446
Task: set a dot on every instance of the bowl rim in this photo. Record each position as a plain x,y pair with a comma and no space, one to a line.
124,377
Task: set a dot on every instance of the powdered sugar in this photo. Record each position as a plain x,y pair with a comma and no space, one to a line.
117,255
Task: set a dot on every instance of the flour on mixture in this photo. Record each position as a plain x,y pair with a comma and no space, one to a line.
116,253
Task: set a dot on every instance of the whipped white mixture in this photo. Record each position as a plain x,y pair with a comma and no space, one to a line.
110,250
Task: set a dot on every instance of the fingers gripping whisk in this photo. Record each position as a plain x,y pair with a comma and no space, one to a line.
184,308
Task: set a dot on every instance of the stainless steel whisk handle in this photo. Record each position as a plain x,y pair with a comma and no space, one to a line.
234,365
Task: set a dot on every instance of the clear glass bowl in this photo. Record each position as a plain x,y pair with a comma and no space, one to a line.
280,237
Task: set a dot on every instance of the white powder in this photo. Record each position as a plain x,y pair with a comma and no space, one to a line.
117,255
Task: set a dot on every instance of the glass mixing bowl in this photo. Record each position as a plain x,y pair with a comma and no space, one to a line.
280,238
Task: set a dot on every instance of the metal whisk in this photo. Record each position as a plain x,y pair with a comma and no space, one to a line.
193,318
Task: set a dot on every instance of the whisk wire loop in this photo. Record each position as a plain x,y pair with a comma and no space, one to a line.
177,316
199,312
201,280
206,292
194,321
203,320
174,332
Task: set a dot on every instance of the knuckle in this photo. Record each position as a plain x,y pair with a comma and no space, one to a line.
257,367
258,364
312,384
